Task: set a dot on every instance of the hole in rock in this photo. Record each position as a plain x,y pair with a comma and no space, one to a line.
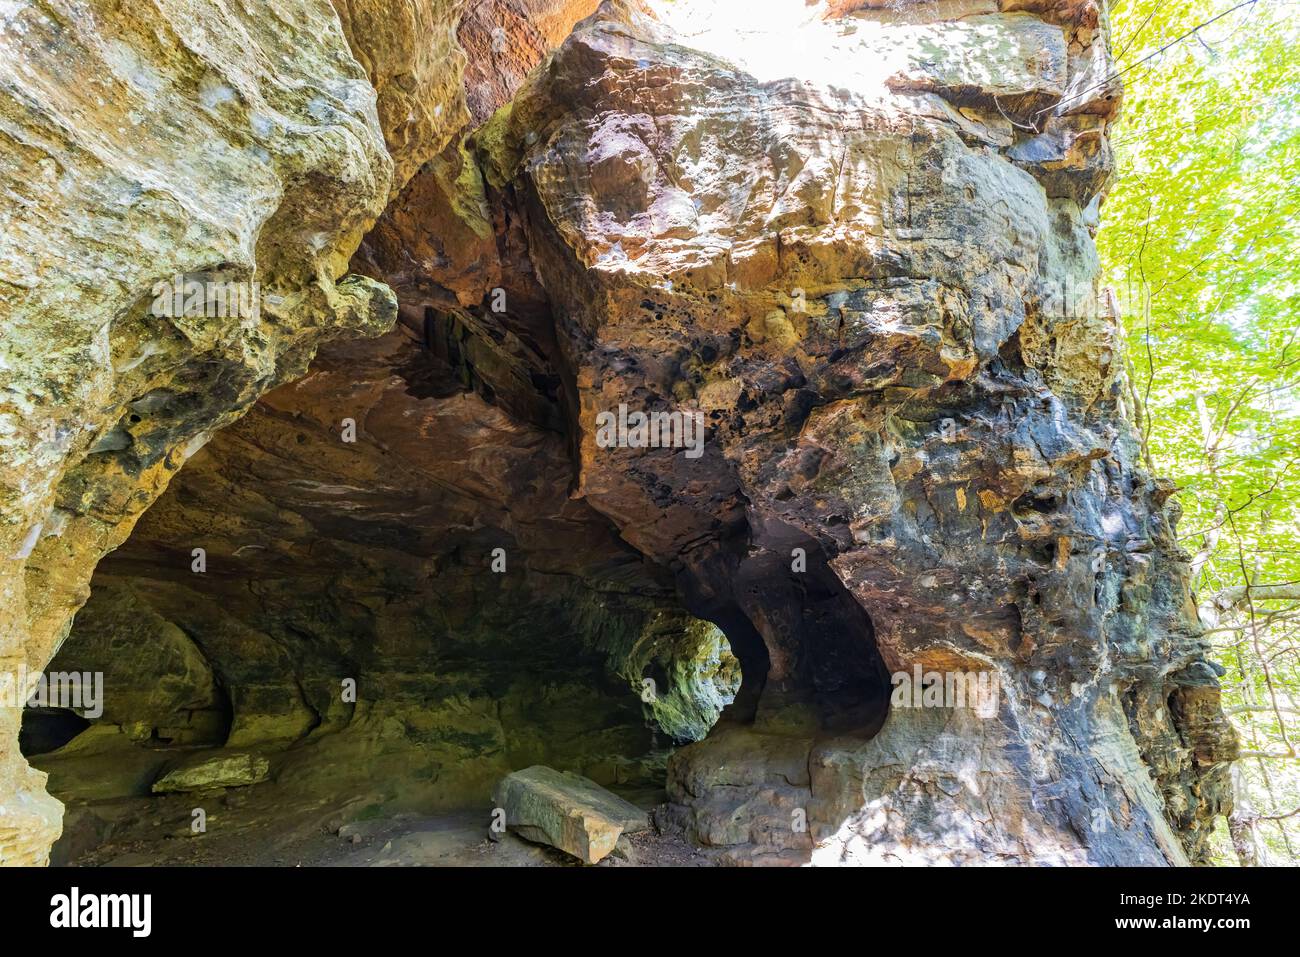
48,729
806,647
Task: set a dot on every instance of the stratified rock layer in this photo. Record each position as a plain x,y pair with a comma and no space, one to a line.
191,656
234,145
856,245
880,293
214,771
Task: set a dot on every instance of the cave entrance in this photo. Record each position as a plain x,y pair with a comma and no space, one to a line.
815,693
397,604
806,647
48,729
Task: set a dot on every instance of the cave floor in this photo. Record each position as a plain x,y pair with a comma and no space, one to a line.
252,829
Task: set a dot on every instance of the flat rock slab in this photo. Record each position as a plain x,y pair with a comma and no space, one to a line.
567,811
214,771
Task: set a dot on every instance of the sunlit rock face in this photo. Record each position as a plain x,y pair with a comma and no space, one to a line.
194,659
411,56
847,245
877,286
247,149
237,145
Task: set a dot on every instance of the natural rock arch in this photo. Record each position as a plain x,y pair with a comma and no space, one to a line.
880,295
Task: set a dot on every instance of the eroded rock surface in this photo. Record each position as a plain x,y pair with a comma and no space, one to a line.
247,149
881,295
855,245
232,146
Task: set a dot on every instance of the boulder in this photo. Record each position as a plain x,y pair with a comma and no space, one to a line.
214,771
567,811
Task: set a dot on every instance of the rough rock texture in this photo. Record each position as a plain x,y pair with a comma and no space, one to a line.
237,145
856,242
229,770
409,51
246,144
371,561
881,295
505,40
566,811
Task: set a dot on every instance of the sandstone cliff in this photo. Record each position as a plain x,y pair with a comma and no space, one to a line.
854,240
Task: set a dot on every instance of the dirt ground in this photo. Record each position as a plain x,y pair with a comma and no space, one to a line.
246,828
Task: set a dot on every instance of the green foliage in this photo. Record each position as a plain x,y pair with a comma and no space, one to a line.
1201,243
